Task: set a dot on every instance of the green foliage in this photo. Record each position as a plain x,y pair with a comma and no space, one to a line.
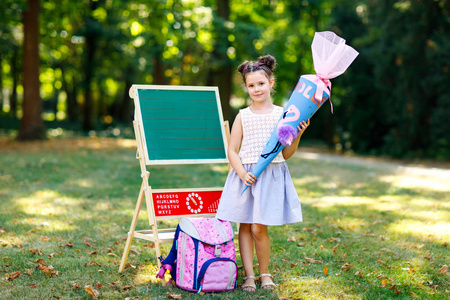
392,100
398,103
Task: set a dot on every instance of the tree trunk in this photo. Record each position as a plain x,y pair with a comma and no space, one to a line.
15,83
1,85
31,125
91,44
221,76
158,70
71,96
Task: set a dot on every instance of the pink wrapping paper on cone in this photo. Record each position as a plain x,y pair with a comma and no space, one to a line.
331,57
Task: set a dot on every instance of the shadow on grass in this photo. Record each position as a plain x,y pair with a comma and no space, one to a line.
393,236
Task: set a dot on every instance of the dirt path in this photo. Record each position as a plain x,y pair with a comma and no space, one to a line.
423,168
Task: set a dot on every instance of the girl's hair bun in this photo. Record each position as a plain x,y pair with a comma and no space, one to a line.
243,66
265,63
267,60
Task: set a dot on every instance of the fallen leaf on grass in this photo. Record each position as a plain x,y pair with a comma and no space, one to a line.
36,251
49,270
88,243
312,261
383,283
152,245
325,270
335,248
12,276
32,285
413,294
51,255
173,296
69,244
45,238
443,270
29,271
346,266
93,293
293,265
98,285
291,239
92,263
93,253
134,252
127,287
417,246
359,274
333,239
75,284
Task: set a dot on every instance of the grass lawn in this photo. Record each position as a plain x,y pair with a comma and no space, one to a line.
370,231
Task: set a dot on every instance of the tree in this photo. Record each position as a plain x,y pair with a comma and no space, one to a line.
31,125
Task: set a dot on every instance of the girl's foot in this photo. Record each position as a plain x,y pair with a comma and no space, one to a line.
249,284
266,282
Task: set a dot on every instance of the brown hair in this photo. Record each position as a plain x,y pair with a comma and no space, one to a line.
265,63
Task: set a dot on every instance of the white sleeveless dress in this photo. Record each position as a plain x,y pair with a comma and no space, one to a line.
272,200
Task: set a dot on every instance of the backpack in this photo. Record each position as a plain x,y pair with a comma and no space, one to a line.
203,256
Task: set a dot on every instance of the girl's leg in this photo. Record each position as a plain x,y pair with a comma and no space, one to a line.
262,246
246,243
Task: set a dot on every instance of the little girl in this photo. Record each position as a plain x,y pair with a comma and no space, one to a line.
270,199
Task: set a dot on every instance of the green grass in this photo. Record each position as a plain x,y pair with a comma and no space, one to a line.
389,225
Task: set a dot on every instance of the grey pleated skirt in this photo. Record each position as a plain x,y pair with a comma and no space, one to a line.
272,200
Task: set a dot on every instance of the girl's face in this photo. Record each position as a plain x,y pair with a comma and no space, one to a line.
259,86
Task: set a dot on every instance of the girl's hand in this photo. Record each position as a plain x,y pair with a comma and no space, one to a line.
302,127
248,178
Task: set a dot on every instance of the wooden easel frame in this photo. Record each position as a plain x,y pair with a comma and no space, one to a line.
155,235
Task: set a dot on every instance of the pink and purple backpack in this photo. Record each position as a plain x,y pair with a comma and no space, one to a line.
203,257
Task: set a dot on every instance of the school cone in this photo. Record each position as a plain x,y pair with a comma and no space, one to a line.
331,58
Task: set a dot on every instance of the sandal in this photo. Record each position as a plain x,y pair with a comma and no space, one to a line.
249,287
267,285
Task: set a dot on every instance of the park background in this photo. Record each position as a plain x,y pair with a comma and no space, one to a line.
69,64
376,219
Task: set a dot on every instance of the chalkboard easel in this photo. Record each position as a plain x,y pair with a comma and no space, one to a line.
175,125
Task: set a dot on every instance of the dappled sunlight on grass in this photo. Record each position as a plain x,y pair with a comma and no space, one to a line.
220,168
332,201
304,181
417,182
45,202
83,183
439,230
147,275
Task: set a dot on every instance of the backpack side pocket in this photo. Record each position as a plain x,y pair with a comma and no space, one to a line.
217,275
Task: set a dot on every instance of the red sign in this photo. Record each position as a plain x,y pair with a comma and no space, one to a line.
185,203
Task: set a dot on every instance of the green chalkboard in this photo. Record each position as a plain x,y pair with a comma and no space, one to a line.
180,124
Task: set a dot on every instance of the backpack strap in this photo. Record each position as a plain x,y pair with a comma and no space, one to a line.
169,261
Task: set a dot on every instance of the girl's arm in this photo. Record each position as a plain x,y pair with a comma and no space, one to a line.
233,152
289,150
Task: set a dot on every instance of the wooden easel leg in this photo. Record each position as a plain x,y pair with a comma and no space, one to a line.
153,224
126,250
